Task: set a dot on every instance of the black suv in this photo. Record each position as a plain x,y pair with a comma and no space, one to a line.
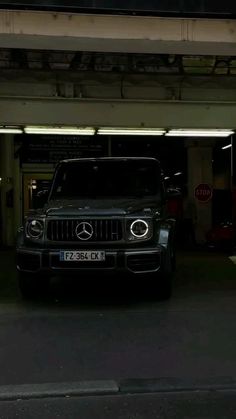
101,215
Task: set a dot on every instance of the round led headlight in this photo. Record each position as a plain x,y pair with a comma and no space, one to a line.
139,228
34,229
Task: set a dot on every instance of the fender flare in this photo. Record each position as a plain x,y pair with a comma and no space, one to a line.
167,241
167,232
20,237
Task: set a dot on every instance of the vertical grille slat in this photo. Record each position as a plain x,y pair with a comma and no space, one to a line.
57,230
54,231
61,230
96,229
67,229
103,230
72,230
106,229
117,229
50,227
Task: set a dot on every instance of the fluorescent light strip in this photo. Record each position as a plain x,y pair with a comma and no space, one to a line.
130,131
212,135
10,130
178,173
199,133
226,146
59,130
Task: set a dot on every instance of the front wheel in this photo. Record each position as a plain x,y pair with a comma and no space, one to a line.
161,286
31,286
165,277
165,286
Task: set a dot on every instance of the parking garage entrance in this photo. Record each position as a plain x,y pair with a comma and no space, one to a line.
119,104
190,165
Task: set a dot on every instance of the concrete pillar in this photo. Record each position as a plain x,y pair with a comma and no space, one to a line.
7,189
17,194
200,171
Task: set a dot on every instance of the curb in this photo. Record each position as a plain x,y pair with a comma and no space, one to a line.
165,385
45,390
110,387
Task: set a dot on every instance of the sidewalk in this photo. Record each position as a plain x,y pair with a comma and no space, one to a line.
184,405
8,276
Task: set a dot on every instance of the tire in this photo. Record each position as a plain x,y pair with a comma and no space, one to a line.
161,286
31,286
166,276
173,259
166,286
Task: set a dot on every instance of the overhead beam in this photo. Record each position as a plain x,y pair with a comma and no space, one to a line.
67,31
174,8
124,113
110,86
158,89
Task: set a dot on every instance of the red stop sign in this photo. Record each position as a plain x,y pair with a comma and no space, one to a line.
203,192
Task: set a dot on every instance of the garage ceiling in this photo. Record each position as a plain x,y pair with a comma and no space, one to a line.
114,89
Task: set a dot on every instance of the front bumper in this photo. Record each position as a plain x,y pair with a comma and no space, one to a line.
135,261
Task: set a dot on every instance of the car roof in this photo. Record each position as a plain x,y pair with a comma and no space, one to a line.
111,159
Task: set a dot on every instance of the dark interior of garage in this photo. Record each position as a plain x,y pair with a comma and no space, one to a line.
171,152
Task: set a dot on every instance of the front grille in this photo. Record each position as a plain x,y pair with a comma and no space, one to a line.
102,230
109,262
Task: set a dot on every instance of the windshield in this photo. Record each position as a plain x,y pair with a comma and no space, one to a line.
94,179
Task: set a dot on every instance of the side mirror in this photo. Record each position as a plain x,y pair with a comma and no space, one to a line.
41,198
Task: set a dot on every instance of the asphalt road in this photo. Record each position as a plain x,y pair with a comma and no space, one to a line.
201,405
108,331
169,341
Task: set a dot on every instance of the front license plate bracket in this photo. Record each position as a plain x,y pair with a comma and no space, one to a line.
82,256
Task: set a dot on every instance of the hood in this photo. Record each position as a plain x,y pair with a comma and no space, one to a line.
103,207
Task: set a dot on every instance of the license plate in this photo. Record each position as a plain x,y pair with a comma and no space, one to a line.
82,256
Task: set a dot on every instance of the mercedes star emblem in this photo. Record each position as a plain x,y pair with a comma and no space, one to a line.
84,231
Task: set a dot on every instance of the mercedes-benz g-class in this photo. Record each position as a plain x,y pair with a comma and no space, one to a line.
101,215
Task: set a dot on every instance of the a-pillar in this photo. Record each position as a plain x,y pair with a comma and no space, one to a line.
199,172
7,190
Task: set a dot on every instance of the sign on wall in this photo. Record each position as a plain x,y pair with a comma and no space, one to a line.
203,192
40,149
